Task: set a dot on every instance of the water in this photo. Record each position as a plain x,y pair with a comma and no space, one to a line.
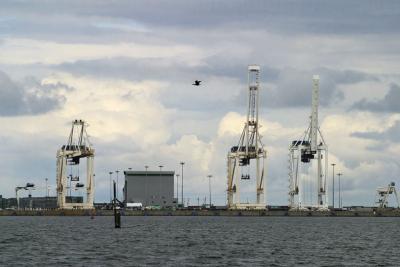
199,241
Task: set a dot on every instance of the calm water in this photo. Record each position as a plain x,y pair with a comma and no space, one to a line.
198,241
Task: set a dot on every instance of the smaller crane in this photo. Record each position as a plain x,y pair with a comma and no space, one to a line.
29,187
382,193
78,147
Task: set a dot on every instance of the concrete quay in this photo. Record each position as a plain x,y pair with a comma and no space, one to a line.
184,212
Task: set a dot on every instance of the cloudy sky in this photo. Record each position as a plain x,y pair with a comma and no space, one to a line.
126,67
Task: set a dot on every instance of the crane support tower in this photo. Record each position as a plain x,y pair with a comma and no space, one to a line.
382,194
248,149
77,148
310,147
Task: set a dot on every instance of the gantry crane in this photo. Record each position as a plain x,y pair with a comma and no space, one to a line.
77,148
382,194
248,149
29,187
310,147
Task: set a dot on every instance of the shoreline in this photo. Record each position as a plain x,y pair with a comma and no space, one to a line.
226,213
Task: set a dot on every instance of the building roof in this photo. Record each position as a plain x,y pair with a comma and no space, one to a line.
149,173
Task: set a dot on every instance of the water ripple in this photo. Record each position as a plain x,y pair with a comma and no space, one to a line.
199,241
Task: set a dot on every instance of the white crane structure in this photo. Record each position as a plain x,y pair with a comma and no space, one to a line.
383,193
310,147
71,154
29,187
248,149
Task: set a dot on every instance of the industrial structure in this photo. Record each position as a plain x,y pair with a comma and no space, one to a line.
150,188
302,152
383,193
69,158
29,187
246,161
33,203
249,149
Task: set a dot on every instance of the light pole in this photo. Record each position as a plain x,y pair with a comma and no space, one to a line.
340,193
94,184
333,185
209,186
117,171
145,187
177,187
110,186
159,185
47,188
183,203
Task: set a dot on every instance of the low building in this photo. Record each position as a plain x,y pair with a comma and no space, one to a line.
35,202
151,188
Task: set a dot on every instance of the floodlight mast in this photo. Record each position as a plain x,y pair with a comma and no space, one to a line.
78,147
249,148
311,146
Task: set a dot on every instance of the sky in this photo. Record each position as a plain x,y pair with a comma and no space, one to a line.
126,67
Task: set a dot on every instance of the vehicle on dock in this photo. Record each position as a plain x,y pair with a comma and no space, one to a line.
155,207
134,206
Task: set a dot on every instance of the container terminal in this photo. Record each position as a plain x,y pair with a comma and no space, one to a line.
152,193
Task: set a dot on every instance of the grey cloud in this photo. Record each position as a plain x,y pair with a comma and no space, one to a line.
150,22
390,103
180,93
31,97
391,134
74,29
379,147
309,16
129,69
293,87
31,82
164,69
225,65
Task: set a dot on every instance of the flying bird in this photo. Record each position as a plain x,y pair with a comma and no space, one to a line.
196,83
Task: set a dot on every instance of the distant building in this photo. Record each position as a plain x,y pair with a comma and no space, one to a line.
151,188
35,202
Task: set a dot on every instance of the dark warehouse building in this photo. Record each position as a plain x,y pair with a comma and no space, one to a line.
151,188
